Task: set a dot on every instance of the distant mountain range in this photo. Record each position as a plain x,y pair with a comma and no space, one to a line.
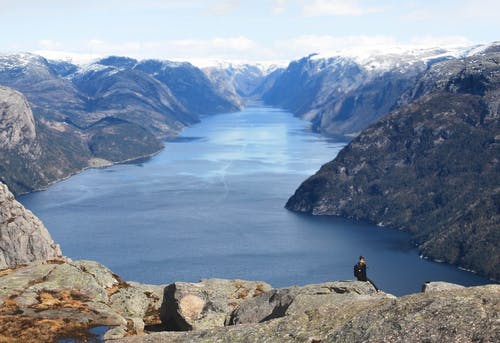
430,167
113,110
341,95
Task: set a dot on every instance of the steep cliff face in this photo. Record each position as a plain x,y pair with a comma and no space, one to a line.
32,154
17,124
430,167
23,237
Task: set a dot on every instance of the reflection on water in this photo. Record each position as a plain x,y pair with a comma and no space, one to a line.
211,205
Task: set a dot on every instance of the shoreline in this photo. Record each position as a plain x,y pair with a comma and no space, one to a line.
111,164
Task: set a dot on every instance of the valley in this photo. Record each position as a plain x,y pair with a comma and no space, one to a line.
116,109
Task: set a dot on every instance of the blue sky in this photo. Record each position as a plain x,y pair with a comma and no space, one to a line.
238,30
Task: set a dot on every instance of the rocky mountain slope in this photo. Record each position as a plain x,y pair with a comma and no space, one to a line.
430,167
23,238
342,95
113,110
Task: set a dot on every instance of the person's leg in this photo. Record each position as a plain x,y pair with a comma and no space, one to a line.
373,284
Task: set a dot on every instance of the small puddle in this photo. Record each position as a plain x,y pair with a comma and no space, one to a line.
94,335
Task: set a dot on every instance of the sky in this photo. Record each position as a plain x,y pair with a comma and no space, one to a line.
238,30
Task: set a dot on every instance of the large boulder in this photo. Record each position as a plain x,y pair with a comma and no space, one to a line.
297,300
207,304
23,237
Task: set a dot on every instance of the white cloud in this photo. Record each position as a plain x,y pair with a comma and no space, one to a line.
279,6
96,44
442,41
222,7
315,8
243,49
217,48
49,44
331,45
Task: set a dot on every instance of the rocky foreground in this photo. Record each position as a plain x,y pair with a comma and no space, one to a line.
46,297
59,299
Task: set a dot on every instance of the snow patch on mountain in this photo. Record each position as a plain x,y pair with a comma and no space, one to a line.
381,59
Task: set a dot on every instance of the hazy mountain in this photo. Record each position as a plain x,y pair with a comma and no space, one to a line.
342,95
242,80
430,167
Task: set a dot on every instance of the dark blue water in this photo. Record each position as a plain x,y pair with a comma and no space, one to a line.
211,205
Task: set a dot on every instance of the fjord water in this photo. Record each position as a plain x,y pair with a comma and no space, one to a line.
211,205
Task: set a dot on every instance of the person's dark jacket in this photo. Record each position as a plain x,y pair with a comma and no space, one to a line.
360,272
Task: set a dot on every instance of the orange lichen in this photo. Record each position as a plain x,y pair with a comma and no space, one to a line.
10,306
50,300
56,261
120,285
259,290
15,329
7,271
152,315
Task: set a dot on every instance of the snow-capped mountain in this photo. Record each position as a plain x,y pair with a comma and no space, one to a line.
344,93
243,80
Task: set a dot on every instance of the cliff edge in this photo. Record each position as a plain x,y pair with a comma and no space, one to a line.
23,237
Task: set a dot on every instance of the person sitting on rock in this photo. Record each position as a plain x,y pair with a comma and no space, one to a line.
360,272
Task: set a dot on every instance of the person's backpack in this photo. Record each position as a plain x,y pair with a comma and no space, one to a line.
356,270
